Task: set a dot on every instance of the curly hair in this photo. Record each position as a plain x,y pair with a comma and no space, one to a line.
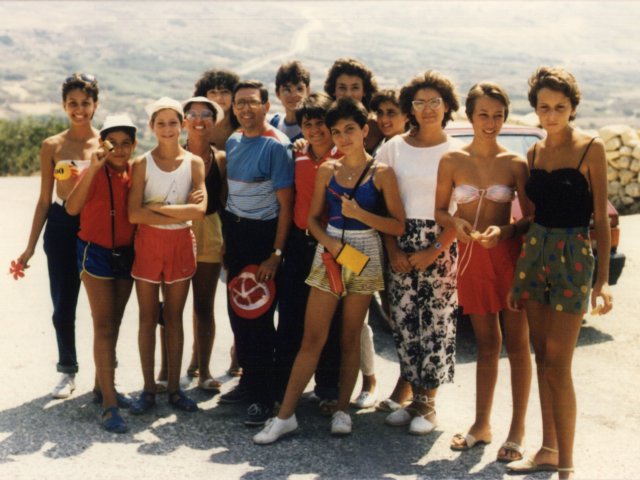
486,89
212,79
385,95
436,81
218,79
557,79
351,66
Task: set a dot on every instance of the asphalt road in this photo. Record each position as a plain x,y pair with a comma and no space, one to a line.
42,438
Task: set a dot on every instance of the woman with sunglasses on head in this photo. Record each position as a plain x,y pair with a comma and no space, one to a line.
421,280
61,158
352,190
105,253
167,192
567,185
482,178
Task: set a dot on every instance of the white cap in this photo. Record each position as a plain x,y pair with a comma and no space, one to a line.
217,108
163,104
117,121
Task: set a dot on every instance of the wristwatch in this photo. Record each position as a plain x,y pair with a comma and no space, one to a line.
277,251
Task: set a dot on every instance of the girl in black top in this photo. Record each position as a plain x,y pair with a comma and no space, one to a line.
568,182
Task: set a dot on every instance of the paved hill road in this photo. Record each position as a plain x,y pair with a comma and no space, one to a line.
45,439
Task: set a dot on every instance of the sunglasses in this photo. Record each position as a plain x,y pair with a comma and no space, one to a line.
203,115
82,77
433,104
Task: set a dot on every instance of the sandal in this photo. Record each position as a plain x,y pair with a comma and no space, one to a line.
466,442
180,401
420,424
509,447
210,385
234,371
115,423
528,465
122,400
145,402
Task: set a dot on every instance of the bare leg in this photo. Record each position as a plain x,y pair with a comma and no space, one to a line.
107,299
175,298
562,336
401,392
204,284
354,310
489,341
516,335
539,317
149,306
320,309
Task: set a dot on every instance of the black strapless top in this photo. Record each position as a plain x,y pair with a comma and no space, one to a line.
562,197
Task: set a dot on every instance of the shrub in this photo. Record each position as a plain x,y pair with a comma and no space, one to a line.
20,142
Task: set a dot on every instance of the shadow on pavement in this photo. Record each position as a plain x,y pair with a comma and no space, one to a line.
68,428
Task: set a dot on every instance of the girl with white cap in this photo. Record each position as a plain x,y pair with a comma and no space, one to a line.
105,253
167,193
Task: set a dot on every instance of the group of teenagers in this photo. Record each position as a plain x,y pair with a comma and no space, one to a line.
283,197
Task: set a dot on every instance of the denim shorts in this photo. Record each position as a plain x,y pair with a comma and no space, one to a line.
96,261
555,268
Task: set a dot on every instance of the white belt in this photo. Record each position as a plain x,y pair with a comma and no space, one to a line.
59,201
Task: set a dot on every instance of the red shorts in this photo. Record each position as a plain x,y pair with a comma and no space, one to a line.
163,255
485,275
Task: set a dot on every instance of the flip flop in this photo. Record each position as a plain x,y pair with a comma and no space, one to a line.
469,442
510,447
210,385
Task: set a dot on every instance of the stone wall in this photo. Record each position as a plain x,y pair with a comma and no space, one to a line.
622,145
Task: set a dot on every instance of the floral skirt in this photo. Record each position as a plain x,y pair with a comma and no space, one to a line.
424,307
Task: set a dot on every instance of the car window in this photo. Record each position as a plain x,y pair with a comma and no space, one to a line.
516,143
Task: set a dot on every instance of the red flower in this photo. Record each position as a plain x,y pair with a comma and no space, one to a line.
16,269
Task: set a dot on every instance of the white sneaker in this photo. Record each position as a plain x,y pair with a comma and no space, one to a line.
421,426
340,423
366,399
274,429
65,387
399,418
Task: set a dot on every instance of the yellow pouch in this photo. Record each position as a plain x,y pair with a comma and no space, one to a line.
352,259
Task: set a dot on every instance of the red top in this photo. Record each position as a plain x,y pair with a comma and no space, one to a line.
305,178
95,220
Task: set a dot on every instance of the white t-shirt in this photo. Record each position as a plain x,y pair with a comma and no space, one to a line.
417,171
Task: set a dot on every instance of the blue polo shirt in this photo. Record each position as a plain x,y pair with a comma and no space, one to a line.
256,168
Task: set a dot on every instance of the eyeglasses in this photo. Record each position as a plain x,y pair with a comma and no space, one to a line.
252,104
203,115
433,104
81,77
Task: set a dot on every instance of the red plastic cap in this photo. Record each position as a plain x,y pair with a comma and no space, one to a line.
249,298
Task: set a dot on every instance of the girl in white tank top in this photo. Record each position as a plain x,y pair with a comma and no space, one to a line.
167,192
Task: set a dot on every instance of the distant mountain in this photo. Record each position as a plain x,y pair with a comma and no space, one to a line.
142,50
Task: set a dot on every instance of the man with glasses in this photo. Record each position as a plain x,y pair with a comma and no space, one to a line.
255,226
